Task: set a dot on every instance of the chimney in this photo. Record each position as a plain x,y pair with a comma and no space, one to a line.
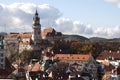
43,52
110,51
48,49
118,51
79,75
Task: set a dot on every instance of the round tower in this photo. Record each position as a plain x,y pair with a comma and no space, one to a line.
36,29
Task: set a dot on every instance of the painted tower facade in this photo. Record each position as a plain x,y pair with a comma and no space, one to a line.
36,36
36,29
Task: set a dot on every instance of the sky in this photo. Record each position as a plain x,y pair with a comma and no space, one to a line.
89,18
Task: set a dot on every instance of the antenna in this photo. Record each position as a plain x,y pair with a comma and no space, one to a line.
5,27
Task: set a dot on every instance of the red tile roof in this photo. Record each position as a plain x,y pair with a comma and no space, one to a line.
109,55
25,35
51,32
35,67
16,35
47,31
11,36
82,57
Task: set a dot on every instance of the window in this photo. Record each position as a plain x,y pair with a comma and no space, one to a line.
1,55
1,60
91,66
57,57
1,65
83,58
114,78
38,32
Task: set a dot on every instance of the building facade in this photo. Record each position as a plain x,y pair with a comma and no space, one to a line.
82,62
51,34
2,53
32,40
27,41
110,63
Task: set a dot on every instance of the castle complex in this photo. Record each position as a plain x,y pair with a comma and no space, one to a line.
32,40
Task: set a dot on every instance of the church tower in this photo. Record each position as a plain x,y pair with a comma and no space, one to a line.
36,29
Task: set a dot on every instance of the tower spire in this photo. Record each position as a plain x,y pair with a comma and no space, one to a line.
36,13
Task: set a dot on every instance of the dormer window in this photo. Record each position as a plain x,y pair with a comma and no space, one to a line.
57,57
72,57
83,58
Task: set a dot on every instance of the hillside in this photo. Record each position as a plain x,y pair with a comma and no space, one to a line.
97,39
75,38
104,39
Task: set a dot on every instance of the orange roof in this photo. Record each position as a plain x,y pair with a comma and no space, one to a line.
16,35
11,35
83,57
34,67
28,67
48,30
25,35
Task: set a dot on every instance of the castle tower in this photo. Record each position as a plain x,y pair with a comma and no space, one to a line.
36,36
36,29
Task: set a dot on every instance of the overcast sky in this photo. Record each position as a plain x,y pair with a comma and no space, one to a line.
89,18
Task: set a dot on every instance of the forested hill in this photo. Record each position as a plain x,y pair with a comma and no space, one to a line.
75,38
104,39
96,39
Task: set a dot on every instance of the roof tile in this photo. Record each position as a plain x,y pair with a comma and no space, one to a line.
83,57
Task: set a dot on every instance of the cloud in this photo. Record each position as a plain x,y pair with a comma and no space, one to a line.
73,27
17,17
77,27
111,32
114,1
